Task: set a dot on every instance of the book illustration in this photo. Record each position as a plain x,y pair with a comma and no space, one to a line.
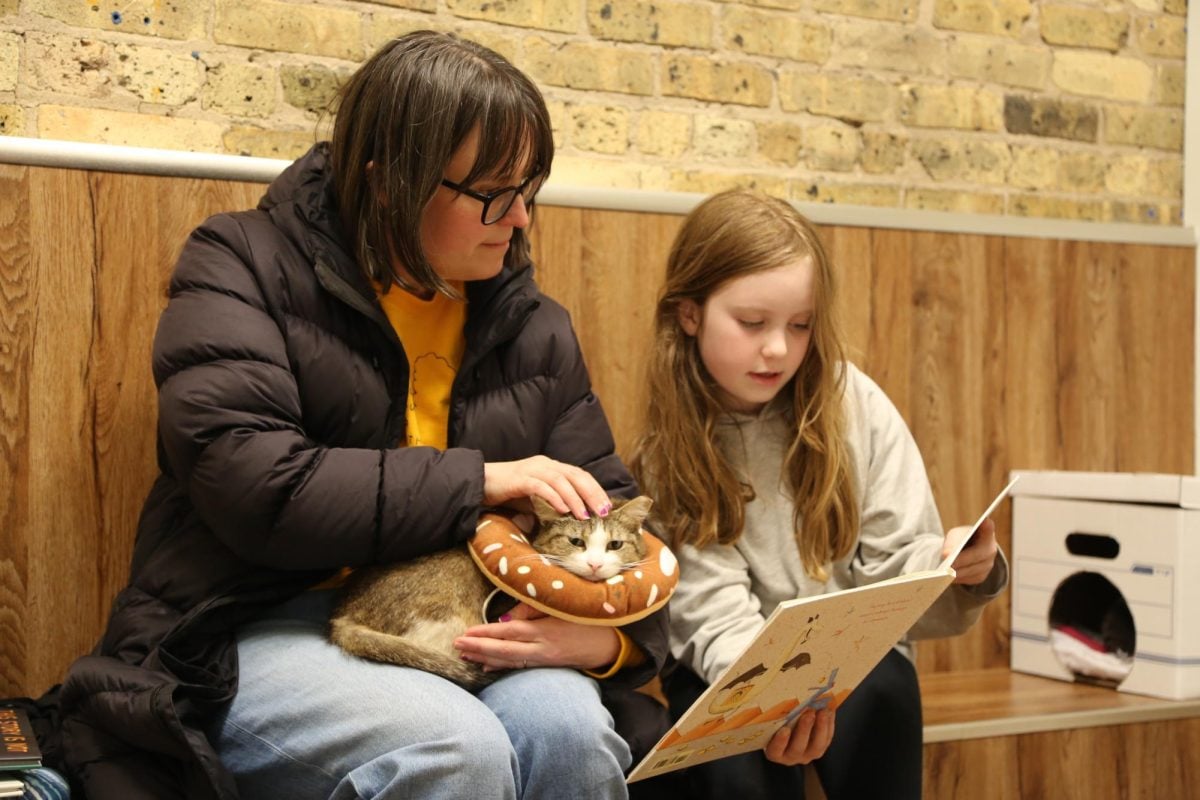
18,746
810,653
801,659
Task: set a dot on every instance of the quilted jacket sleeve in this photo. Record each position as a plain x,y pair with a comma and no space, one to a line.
232,433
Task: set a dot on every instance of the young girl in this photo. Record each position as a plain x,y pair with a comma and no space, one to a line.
346,374
779,470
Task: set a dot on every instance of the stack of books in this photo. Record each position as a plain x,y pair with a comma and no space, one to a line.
18,751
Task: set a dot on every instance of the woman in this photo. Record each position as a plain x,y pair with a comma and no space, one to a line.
346,374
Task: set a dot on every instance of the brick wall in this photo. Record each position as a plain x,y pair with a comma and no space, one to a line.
1046,109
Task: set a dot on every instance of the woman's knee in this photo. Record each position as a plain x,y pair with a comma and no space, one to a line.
482,751
472,757
559,708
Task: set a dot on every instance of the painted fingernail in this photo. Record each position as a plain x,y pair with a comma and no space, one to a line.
506,617
586,515
607,507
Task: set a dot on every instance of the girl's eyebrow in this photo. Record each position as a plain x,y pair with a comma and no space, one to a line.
748,309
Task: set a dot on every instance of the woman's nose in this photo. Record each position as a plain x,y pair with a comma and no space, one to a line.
517,214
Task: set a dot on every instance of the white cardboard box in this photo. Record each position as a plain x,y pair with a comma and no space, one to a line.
1087,545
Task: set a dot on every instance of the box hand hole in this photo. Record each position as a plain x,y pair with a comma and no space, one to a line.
1096,545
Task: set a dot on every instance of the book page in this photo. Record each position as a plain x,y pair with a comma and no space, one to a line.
949,559
810,653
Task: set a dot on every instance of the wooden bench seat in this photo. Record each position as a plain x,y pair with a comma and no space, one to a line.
982,703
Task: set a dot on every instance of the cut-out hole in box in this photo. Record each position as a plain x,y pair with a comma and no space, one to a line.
1104,567
1092,633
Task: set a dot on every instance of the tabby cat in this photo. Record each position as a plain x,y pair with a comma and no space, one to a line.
410,613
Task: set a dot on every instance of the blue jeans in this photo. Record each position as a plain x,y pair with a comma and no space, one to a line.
310,721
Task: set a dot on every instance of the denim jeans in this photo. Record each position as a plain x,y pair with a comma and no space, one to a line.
310,721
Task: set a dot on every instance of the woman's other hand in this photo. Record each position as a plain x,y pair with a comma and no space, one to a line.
526,637
568,488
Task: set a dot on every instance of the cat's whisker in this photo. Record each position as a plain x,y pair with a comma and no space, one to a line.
531,557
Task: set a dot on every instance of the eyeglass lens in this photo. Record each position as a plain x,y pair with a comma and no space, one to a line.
501,203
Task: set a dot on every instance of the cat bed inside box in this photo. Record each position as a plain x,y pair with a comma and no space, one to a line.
1092,633
504,555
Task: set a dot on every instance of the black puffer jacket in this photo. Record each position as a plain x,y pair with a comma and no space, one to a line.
282,390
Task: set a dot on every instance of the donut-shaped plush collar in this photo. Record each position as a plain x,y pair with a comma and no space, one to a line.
505,556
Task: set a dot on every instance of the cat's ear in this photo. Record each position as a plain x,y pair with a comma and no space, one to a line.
636,509
545,512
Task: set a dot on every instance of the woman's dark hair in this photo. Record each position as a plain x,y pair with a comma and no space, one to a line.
406,111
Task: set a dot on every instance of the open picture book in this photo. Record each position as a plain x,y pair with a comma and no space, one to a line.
810,653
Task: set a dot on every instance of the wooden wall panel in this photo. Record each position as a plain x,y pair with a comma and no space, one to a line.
84,260
1001,354
62,499
1032,346
982,769
17,320
1149,760
606,269
1146,760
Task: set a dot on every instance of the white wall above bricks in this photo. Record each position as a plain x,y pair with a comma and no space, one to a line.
1067,109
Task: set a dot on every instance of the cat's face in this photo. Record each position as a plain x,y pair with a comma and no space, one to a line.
597,548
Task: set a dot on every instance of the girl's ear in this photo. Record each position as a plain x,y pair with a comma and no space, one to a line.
689,316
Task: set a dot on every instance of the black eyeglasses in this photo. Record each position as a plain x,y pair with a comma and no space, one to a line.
496,204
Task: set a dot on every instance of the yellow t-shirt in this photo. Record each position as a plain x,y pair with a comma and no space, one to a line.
432,334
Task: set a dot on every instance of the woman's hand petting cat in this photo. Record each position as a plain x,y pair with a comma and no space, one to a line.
974,563
568,488
804,740
528,638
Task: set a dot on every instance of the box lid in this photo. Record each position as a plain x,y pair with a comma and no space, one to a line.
1117,487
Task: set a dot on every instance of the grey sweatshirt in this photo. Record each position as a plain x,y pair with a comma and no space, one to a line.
726,592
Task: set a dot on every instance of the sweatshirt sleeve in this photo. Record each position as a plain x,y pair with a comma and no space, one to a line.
959,607
901,530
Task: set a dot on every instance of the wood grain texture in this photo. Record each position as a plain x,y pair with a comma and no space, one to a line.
64,596
1148,760
981,769
17,312
606,269
973,695
84,261
1138,759
1000,353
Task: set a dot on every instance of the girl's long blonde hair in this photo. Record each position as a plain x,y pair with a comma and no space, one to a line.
698,495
